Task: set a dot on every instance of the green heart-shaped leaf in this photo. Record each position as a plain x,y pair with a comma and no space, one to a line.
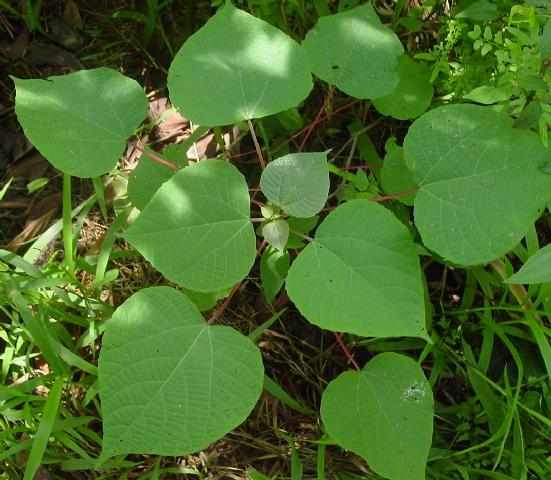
355,52
481,181
383,413
145,180
298,183
412,95
360,275
169,383
237,67
81,121
196,230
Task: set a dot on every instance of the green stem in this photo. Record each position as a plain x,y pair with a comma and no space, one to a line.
219,139
100,195
107,245
68,223
533,320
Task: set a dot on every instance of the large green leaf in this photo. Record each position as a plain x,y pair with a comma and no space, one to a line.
169,383
237,67
383,413
145,180
360,275
413,94
298,183
396,178
481,181
536,270
81,121
196,229
354,51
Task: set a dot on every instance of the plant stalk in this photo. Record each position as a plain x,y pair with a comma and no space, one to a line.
68,224
257,145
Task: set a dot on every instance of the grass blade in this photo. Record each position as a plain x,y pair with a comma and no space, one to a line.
273,388
44,429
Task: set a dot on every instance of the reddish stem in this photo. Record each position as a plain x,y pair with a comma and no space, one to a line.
222,308
347,353
313,124
394,196
155,158
257,146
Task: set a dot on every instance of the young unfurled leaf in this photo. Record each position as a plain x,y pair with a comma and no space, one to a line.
298,183
169,383
536,270
276,233
145,180
360,275
480,182
355,52
196,230
81,121
412,95
396,178
274,265
383,413
237,67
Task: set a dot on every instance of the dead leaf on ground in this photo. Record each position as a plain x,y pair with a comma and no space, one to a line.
39,218
171,125
17,48
132,153
205,147
30,168
64,35
71,15
41,54
14,145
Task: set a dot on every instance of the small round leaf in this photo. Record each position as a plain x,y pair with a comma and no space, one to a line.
237,67
169,383
276,233
360,275
298,183
196,230
81,121
384,413
355,52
